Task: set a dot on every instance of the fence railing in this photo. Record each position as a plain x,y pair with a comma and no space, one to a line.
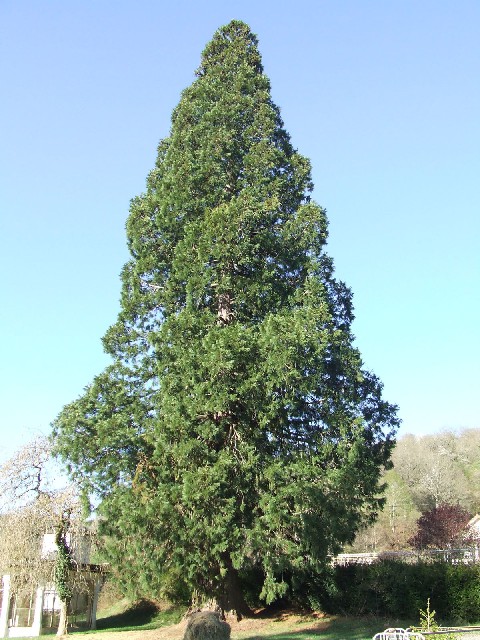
398,633
469,555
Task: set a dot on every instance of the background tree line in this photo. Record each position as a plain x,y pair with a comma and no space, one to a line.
428,471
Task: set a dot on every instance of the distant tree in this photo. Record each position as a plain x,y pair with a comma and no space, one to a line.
236,428
442,527
396,523
26,475
439,468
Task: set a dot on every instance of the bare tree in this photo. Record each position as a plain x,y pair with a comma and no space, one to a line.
33,503
23,476
437,469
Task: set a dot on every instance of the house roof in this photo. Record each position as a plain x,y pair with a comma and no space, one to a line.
474,524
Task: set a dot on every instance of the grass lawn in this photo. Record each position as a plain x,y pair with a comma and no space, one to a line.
335,628
280,625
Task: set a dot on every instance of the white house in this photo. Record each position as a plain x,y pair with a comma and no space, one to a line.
474,528
28,613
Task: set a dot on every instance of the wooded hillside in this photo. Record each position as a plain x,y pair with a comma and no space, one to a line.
428,471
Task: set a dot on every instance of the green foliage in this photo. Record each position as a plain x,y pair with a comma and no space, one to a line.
236,430
463,583
400,590
63,565
429,623
427,618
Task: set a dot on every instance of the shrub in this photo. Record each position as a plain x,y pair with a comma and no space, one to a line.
393,588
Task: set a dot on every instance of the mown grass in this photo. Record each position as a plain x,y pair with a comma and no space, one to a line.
121,615
341,628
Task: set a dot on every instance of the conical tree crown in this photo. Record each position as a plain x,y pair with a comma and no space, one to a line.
222,206
232,46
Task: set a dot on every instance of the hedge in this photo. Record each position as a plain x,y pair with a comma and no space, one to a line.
393,588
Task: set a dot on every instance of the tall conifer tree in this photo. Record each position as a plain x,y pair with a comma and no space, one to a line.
236,427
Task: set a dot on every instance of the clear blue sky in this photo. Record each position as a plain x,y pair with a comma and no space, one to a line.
384,97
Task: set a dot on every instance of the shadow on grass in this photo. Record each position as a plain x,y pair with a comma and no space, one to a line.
142,615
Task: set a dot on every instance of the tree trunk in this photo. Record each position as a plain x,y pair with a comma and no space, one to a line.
232,598
63,621
224,312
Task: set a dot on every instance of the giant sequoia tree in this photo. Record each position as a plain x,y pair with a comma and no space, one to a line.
236,427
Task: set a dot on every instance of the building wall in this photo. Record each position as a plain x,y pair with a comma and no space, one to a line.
26,614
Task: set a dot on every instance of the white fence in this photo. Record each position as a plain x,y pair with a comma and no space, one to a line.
470,555
398,634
